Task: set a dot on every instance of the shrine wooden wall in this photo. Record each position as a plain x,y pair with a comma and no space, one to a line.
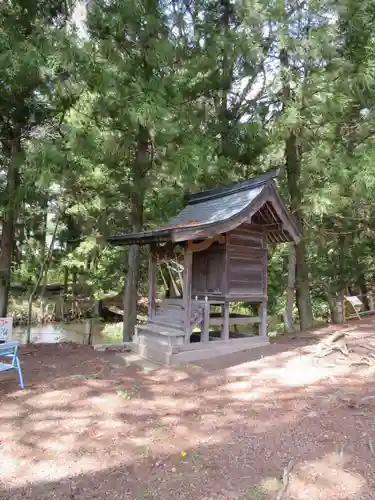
209,271
246,266
235,270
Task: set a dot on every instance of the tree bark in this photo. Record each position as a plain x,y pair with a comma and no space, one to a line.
303,297
226,80
336,315
293,172
66,281
361,283
293,169
74,283
43,242
291,288
8,225
141,166
131,293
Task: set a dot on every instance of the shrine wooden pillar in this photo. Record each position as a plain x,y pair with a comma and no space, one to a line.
205,327
263,325
225,334
188,267
263,313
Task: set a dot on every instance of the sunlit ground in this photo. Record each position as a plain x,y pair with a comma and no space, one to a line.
87,427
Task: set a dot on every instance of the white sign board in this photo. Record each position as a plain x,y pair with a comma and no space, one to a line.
355,301
6,326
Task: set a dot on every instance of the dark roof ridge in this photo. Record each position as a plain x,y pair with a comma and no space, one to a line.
236,187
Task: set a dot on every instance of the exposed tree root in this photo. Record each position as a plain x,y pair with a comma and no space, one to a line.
363,361
367,398
79,377
366,347
287,470
371,447
330,349
329,346
336,336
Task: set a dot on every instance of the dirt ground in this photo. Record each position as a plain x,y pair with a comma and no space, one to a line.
294,420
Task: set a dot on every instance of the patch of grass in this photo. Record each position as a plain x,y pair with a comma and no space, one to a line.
256,493
128,394
146,451
265,491
112,333
156,433
194,457
271,485
144,495
187,366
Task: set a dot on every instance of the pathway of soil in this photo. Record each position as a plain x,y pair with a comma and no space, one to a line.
86,427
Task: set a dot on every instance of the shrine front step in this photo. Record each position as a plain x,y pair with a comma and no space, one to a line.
134,359
158,335
214,349
155,342
168,347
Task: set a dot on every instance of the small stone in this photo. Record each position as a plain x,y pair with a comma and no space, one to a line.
173,469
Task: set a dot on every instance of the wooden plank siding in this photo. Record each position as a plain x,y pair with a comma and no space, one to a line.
237,269
208,271
246,262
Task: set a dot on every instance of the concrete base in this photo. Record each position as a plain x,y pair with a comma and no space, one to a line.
150,353
168,356
133,359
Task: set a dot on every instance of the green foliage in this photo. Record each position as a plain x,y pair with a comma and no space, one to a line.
158,99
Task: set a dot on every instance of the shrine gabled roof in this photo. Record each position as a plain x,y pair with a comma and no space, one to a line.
216,208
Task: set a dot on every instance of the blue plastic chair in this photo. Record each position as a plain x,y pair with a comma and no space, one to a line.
9,351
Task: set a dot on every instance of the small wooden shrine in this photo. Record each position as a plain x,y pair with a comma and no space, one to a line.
221,237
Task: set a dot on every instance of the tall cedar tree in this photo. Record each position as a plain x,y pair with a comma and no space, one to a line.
36,58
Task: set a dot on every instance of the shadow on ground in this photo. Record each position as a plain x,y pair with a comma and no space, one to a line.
85,427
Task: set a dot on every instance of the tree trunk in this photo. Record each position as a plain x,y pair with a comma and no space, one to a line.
291,288
293,169
336,314
8,225
141,165
361,283
226,80
43,268
20,237
293,172
66,281
43,243
131,293
303,297
74,283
